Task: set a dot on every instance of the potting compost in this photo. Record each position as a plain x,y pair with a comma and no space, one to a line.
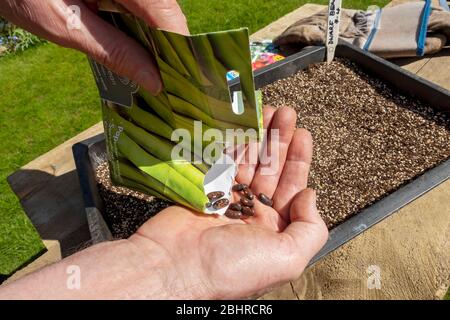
368,141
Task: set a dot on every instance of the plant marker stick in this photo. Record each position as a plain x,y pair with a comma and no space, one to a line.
334,16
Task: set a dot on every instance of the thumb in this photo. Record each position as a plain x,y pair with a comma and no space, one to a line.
307,229
162,14
78,27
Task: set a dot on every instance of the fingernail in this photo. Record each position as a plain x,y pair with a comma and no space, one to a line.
150,82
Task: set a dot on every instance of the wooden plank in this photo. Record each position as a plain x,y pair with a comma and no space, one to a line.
412,267
416,64
49,193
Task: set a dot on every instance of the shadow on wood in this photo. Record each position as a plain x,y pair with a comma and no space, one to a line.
54,205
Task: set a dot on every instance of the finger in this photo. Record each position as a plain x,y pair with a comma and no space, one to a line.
249,162
294,177
92,4
275,151
163,14
307,232
266,217
98,39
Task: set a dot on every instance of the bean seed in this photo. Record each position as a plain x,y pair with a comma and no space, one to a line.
239,187
219,204
233,214
248,211
247,202
265,199
236,206
215,195
249,194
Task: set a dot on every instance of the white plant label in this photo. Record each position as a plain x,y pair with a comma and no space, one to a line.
334,16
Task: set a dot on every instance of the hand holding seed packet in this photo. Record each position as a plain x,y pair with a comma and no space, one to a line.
171,145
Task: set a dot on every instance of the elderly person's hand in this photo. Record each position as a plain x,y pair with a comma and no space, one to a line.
53,20
181,254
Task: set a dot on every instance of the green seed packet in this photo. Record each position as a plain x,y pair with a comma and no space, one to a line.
165,145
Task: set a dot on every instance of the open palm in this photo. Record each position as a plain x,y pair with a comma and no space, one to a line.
218,257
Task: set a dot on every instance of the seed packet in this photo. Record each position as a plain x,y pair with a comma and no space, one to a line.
171,145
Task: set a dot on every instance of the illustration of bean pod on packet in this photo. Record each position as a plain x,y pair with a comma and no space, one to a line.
171,145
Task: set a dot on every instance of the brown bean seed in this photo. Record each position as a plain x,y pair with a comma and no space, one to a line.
248,211
219,204
249,194
265,199
236,206
247,202
233,214
215,195
239,187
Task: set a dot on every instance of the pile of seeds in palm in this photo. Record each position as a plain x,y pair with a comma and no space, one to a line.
368,138
125,210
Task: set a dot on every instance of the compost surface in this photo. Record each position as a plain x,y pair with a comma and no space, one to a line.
368,141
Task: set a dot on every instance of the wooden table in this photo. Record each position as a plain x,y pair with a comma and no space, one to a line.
411,248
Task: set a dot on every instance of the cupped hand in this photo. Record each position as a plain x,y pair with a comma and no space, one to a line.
95,37
217,257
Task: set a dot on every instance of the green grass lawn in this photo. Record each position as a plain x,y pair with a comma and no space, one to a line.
47,95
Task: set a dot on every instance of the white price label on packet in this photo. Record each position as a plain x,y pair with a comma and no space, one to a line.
334,16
